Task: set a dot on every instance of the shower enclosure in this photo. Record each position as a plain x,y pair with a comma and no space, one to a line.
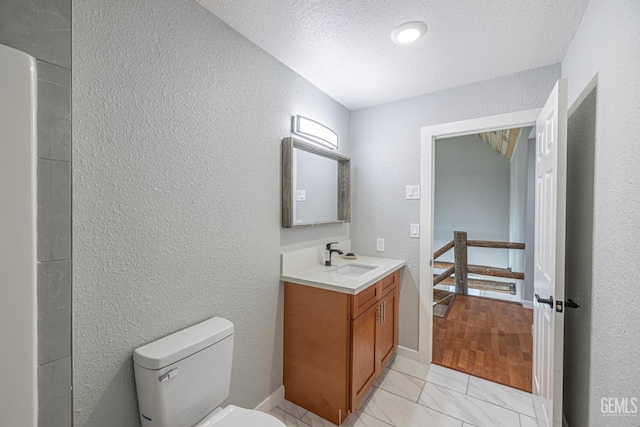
18,267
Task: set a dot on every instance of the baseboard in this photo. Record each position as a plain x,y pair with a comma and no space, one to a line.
528,304
564,420
407,352
272,401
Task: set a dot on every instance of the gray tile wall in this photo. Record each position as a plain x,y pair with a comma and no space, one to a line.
42,28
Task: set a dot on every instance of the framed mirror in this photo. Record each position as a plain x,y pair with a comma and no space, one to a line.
315,185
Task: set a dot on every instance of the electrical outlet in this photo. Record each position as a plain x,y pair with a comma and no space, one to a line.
380,245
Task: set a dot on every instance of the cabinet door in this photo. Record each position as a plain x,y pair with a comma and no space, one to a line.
387,336
365,364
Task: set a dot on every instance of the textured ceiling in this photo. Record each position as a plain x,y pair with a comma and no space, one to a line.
344,47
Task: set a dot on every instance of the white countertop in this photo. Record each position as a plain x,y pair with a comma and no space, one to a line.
323,277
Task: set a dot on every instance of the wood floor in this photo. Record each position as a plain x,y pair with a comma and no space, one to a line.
486,338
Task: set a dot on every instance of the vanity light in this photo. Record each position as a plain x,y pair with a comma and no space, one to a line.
409,32
314,131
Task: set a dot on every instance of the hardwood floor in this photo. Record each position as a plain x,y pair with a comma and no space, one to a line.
486,338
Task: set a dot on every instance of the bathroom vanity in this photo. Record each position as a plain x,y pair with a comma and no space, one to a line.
340,330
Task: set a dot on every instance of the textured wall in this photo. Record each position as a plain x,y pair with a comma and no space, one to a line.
385,146
472,195
608,44
177,127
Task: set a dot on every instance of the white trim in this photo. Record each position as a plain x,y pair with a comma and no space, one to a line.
527,304
408,353
427,144
272,401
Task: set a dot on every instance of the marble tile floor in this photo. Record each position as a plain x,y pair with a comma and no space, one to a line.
410,394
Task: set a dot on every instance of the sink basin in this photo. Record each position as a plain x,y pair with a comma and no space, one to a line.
353,270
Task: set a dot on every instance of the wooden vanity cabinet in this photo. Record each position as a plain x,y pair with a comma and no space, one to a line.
336,344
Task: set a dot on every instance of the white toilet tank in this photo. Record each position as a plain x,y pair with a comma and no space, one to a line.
183,377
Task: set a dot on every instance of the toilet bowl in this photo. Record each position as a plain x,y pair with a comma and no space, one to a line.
233,416
182,379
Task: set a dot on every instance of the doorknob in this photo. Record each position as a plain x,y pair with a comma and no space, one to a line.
545,301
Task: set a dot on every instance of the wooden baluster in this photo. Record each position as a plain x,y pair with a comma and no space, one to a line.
460,253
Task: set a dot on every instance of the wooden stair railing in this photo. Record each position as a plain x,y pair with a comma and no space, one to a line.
460,268
484,270
442,276
450,269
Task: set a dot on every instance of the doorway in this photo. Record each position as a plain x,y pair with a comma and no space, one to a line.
429,136
480,206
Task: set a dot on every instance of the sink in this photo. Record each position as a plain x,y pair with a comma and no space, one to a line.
353,270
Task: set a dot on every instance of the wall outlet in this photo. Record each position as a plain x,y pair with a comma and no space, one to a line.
413,192
414,230
380,245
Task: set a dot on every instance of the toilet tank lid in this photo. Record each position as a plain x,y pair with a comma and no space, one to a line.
184,343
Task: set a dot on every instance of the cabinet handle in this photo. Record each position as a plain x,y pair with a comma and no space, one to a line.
379,316
384,312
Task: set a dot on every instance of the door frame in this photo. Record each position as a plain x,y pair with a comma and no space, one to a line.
429,135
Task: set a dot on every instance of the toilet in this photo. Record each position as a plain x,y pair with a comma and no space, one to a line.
182,379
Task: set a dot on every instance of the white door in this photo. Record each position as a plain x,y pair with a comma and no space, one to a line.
548,317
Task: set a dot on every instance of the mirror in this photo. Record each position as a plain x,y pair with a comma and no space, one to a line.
315,185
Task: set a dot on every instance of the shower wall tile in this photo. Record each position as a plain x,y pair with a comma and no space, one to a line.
41,28
54,210
54,394
54,112
54,310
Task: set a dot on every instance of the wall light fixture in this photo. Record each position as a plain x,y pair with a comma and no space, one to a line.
314,131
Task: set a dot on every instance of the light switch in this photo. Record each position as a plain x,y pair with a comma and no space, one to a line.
380,245
301,195
413,192
414,230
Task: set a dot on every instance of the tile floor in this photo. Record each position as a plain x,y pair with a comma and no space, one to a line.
409,394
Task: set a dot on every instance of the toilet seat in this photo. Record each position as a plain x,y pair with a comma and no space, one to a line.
233,416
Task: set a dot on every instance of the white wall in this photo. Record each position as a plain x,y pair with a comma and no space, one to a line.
177,126
385,150
607,44
518,205
530,223
472,195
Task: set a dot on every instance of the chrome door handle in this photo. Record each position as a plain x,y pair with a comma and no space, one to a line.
545,301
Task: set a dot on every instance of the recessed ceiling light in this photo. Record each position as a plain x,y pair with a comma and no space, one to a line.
409,32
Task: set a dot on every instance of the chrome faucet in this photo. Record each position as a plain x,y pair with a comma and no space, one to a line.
328,252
